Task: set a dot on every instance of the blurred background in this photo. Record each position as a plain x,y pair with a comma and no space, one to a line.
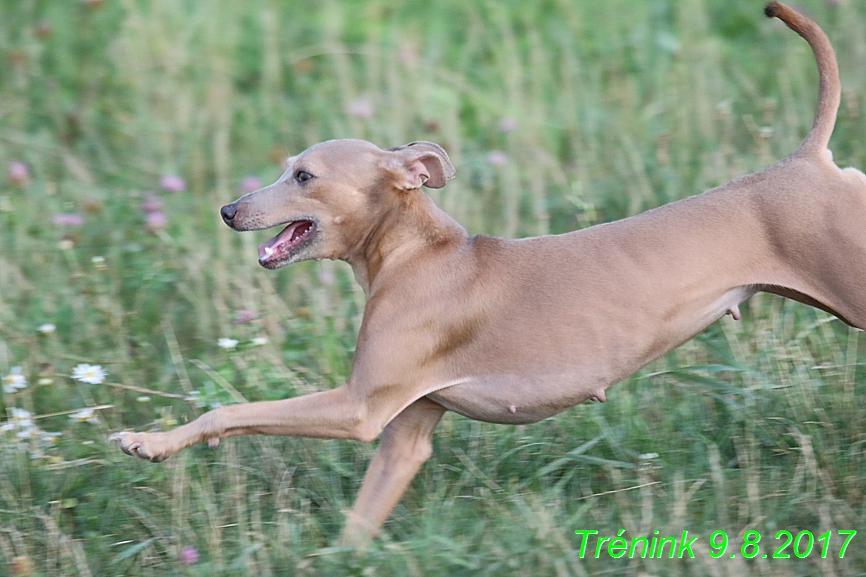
126,303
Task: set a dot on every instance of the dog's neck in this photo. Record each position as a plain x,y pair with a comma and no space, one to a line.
407,229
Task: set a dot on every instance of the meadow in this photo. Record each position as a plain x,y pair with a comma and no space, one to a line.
125,303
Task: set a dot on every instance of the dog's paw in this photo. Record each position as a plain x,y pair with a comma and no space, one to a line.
148,446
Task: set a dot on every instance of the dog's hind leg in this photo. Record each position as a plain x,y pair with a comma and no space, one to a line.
404,445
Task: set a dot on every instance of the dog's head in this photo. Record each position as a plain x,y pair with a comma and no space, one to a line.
333,195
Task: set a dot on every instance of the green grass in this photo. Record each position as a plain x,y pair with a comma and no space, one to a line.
557,115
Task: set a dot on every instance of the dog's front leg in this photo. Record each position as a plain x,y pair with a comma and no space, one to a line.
341,413
405,444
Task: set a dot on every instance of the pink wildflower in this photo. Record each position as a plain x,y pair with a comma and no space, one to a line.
497,158
172,183
361,108
156,221
18,173
507,124
250,183
67,219
188,555
326,276
42,30
244,316
151,203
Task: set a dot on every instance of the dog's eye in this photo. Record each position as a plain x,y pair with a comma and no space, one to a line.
303,176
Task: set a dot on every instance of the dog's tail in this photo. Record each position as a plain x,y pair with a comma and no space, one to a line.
829,88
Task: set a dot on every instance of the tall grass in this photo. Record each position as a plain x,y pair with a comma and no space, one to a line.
558,115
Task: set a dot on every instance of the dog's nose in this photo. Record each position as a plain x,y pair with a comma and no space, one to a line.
228,213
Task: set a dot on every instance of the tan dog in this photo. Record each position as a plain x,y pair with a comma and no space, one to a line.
514,331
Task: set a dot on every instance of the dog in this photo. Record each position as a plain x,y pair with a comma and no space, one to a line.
514,331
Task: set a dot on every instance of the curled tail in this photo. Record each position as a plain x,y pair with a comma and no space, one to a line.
829,88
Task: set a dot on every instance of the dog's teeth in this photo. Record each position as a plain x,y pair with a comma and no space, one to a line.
268,251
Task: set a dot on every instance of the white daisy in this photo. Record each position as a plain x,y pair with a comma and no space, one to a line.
195,397
227,343
14,381
85,416
21,419
99,263
90,374
47,328
49,438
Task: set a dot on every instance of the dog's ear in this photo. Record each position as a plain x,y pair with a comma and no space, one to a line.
419,163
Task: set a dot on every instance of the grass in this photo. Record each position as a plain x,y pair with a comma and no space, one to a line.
558,115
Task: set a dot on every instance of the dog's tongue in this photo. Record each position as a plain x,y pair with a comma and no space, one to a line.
283,240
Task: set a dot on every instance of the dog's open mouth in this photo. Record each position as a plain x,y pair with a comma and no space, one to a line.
280,247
